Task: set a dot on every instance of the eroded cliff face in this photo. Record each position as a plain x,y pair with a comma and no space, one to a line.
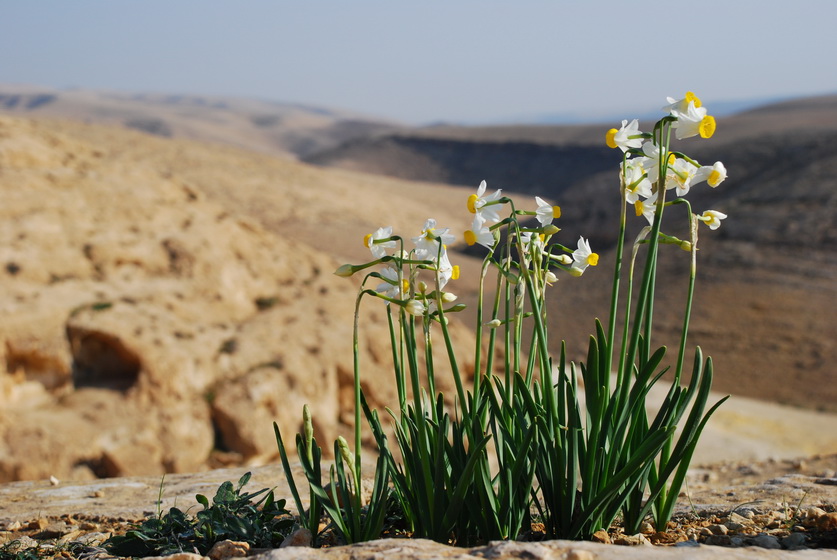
150,327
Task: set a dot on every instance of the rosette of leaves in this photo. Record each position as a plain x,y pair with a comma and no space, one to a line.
232,515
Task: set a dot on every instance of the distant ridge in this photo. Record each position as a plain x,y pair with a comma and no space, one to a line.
285,129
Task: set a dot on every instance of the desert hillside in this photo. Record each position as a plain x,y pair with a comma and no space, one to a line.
283,129
165,301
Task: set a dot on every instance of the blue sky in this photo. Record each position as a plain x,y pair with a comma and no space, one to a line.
429,61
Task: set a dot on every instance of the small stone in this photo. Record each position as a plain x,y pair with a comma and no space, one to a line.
766,541
827,522
632,540
831,481
98,494
687,543
736,518
718,529
718,540
647,528
600,536
580,555
37,524
17,525
733,526
54,481
815,513
794,541
228,549
300,537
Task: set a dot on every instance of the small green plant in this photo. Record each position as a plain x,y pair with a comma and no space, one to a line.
232,515
530,431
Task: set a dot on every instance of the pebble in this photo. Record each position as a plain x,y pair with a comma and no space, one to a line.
601,536
300,537
827,522
632,540
580,555
228,549
794,541
766,541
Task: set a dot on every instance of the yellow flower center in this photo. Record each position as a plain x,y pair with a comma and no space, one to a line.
671,159
691,97
470,237
367,240
639,207
610,138
405,286
455,274
593,259
556,212
707,126
714,178
472,201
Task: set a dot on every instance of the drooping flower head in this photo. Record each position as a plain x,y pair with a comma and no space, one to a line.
485,205
714,175
427,243
379,241
583,257
693,122
627,137
546,212
712,218
647,207
479,233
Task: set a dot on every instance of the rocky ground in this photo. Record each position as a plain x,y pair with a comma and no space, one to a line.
730,510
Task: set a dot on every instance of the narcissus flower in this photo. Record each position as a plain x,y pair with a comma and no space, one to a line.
546,212
486,206
681,173
378,241
427,243
627,137
635,180
714,175
447,271
651,161
693,122
583,257
647,207
677,106
712,218
479,233
392,286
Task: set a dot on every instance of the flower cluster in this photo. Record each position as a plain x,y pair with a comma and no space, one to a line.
647,158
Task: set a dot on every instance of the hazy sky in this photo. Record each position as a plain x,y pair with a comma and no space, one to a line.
428,60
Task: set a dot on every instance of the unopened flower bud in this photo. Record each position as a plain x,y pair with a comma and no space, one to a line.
414,307
564,259
550,229
448,297
686,245
345,452
345,271
574,271
550,277
494,323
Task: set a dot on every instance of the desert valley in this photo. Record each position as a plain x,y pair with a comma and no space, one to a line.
167,265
